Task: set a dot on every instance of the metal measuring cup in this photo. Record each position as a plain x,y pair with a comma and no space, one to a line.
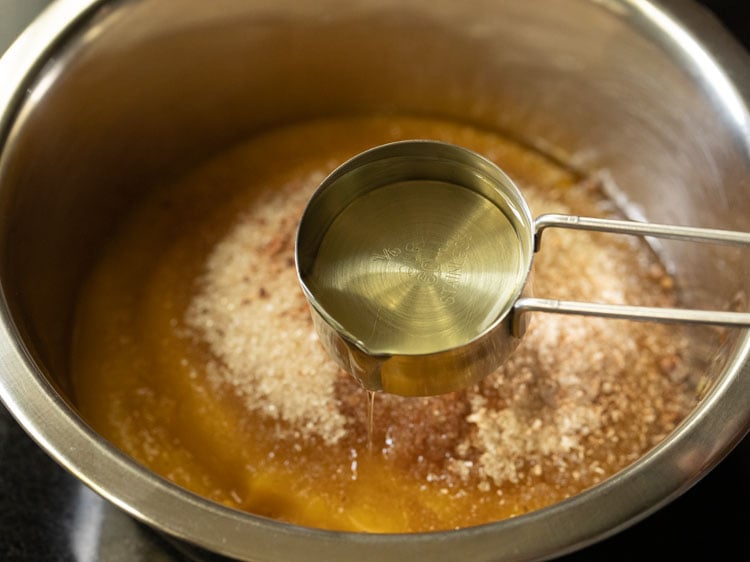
415,259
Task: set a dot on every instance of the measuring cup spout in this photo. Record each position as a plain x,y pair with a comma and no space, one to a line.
363,366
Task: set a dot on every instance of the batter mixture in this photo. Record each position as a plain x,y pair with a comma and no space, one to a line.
195,354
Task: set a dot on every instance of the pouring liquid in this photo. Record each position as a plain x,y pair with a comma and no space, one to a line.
370,420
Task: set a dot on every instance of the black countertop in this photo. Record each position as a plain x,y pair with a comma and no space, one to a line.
46,514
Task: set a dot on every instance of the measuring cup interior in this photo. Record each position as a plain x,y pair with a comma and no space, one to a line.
415,248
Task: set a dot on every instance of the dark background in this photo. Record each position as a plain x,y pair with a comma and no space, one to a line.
45,514
735,15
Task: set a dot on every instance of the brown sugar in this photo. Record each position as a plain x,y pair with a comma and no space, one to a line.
215,378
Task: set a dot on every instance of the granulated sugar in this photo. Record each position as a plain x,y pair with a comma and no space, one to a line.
573,382
252,314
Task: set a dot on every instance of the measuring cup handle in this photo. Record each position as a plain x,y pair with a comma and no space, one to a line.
625,312
687,233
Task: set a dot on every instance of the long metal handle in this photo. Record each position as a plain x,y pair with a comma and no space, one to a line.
628,312
688,233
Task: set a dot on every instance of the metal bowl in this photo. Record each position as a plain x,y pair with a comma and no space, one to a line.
100,99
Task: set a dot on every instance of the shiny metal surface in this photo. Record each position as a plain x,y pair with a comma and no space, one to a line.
670,231
652,95
409,252
413,256
632,312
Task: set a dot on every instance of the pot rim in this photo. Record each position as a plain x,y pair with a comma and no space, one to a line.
699,443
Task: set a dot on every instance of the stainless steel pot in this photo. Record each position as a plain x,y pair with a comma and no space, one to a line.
99,99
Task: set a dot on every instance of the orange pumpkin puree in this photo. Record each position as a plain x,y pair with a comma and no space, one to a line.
194,353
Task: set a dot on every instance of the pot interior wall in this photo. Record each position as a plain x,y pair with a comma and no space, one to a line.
148,87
